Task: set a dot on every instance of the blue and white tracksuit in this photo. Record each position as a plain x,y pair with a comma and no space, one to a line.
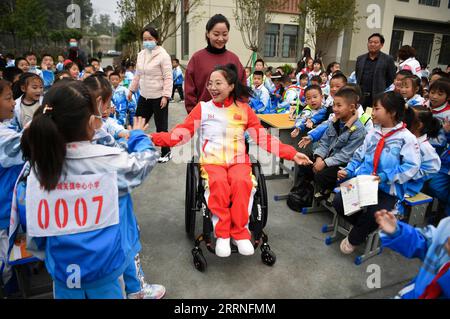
11,164
306,114
291,95
430,166
103,254
416,100
268,83
111,126
428,245
125,110
260,101
398,164
440,183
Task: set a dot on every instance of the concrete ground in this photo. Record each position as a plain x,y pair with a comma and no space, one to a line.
305,267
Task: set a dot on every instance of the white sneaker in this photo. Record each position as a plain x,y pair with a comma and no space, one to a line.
346,247
166,158
223,248
245,247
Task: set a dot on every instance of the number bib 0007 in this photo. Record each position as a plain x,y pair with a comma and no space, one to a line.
79,204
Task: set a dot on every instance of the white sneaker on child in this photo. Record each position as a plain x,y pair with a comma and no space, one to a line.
245,247
223,248
346,247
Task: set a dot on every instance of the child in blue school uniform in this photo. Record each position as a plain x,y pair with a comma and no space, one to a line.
125,109
11,164
430,244
337,146
135,284
316,134
291,96
102,92
391,154
84,263
314,103
410,89
423,125
178,79
439,104
260,101
338,81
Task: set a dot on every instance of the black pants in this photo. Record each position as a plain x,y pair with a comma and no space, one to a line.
326,179
368,101
179,88
364,221
147,108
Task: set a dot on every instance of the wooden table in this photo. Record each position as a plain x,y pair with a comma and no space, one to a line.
279,121
285,127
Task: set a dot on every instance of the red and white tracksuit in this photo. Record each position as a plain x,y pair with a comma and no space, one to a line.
225,164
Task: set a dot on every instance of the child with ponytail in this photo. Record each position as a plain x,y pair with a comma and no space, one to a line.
78,193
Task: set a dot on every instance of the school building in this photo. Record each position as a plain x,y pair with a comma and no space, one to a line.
424,24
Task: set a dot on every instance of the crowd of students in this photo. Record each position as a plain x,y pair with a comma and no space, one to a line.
404,142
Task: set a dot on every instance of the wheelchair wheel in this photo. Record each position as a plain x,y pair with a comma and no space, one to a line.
199,260
268,257
190,199
262,192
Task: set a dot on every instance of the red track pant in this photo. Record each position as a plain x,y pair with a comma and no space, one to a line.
229,193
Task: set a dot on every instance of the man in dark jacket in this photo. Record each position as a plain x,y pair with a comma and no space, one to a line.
75,54
375,71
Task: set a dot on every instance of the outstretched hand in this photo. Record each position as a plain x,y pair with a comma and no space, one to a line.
302,159
138,124
387,221
304,142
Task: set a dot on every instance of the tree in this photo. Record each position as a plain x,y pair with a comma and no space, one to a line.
32,20
251,17
327,20
162,14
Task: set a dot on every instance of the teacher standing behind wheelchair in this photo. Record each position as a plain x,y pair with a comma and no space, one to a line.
154,79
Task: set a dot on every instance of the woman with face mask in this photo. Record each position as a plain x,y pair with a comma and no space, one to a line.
155,81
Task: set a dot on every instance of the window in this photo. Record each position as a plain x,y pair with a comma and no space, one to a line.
432,3
444,54
272,40
423,43
281,41
396,42
289,49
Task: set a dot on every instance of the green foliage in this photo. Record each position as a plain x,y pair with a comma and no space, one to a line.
329,19
287,69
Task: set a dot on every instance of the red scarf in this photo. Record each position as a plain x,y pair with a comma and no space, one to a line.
433,290
380,146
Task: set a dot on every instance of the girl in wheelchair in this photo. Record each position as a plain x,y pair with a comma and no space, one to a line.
225,164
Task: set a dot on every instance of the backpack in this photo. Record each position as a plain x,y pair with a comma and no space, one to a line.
300,197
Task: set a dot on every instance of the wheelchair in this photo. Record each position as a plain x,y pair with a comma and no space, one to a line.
195,203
